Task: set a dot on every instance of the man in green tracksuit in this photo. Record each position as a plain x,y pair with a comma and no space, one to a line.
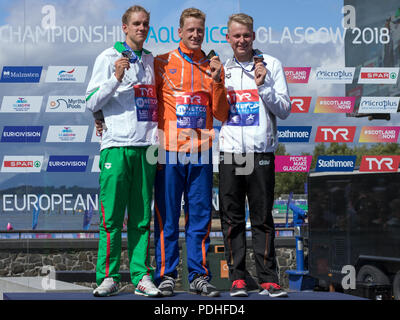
122,88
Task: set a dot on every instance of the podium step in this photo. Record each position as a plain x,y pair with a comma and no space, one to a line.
37,284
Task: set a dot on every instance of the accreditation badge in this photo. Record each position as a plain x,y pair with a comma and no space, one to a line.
146,102
191,110
244,107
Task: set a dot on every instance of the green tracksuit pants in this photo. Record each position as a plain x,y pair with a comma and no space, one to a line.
126,182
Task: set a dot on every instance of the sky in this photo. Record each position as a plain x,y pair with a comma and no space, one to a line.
272,18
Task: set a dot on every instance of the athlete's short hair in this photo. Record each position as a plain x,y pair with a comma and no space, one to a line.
136,8
241,18
191,13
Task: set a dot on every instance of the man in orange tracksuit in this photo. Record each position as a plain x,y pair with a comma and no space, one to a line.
190,91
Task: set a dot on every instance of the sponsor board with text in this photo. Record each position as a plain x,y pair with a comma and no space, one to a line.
22,164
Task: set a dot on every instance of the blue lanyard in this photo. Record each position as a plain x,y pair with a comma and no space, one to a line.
252,69
134,57
188,59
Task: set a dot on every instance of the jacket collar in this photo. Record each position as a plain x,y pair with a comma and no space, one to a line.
195,55
119,46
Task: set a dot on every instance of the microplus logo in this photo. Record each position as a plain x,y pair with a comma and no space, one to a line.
379,104
21,74
294,133
21,134
67,163
334,75
335,163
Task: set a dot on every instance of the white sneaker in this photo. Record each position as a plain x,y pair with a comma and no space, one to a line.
107,288
147,288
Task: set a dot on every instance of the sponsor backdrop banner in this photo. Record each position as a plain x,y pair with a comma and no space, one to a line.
341,60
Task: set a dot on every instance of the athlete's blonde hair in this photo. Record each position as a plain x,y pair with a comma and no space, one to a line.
241,18
191,13
129,11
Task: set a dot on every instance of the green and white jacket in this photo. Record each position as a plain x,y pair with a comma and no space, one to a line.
129,107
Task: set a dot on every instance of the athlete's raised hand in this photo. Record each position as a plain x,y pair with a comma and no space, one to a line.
260,72
216,68
120,65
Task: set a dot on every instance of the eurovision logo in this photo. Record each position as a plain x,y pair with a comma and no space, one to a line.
300,104
380,163
378,75
335,134
292,163
22,164
21,134
67,163
379,134
297,74
66,74
334,104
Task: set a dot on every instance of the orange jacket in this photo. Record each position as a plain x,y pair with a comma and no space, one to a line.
188,99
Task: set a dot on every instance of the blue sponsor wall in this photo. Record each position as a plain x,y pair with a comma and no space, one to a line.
49,151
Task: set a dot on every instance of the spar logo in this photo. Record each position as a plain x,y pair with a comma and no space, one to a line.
300,104
22,164
297,74
378,75
335,134
66,74
380,163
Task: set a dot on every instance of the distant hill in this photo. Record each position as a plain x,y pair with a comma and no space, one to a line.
50,182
